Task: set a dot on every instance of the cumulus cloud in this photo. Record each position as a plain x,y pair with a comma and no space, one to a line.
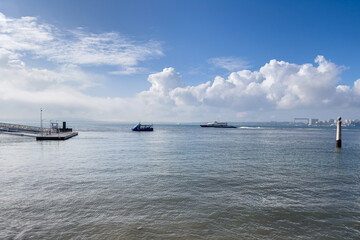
356,87
276,87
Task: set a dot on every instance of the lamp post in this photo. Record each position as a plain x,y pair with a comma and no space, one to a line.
41,122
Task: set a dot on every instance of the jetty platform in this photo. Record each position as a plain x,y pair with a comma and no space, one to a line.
57,136
53,133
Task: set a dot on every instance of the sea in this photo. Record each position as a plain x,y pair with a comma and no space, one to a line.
181,182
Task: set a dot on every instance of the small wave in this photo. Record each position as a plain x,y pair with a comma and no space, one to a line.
250,127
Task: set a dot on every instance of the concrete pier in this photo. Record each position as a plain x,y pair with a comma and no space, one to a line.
338,133
57,136
9,127
39,133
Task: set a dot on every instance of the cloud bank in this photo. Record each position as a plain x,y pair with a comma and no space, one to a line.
277,86
278,89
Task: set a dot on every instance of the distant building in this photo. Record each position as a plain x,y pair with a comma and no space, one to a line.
313,121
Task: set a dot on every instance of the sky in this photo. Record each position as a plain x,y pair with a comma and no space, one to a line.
179,61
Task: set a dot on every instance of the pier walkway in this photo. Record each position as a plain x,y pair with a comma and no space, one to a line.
9,127
30,131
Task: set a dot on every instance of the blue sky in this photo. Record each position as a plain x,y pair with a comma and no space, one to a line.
197,42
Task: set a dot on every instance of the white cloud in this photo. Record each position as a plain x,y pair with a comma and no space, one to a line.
356,87
229,63
27,35
164,81
128,71
100,49
278,87
23,34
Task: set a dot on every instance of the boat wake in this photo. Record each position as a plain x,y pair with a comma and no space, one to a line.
250,127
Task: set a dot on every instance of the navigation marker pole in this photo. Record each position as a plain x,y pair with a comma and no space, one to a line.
338,133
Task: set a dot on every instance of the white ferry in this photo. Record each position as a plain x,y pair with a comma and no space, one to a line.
217,125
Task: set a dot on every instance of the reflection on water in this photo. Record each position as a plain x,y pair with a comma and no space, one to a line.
181,182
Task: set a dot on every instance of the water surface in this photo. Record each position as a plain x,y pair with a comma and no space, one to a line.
181,182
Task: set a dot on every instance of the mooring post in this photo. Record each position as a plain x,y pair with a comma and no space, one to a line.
338,133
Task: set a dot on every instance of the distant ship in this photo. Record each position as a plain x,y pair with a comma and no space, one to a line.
218,125
142,127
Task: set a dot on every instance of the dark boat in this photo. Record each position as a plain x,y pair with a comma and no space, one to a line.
142,127
217,125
